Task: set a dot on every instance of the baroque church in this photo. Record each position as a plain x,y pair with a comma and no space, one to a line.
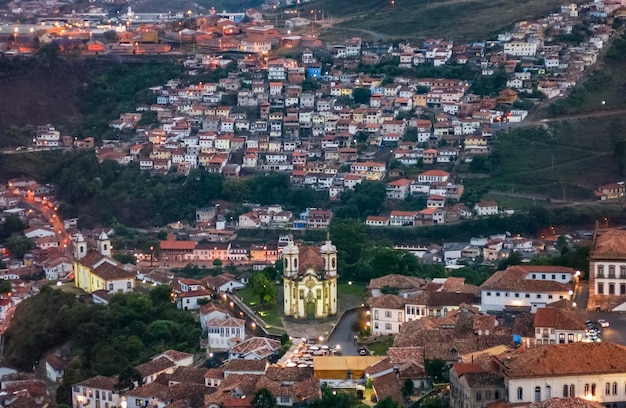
310,280
96,270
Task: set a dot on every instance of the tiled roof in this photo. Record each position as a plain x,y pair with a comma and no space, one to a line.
154,366
111,272
100,382
310,258
262,346
609,244
193,375
238,364
463,368
175,355
386,386
560,319
397,281
404,354
214,373
566,403
386,302
514,279
565,359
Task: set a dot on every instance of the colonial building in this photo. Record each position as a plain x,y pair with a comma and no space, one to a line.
607,271
97,271
310,280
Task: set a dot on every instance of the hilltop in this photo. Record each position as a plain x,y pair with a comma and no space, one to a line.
420,19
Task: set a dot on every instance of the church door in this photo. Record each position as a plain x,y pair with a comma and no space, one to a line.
310,310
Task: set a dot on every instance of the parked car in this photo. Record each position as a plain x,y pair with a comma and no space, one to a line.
362,351
603,323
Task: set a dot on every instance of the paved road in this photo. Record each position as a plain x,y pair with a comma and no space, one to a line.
343,334
616,332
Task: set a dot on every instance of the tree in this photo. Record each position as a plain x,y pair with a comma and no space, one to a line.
263,288
18,246
387,403
408,388
217,263
437,370
5,286
264,399
125,258
129,378
362,95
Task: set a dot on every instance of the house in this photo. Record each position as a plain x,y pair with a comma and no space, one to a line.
592,371
526,288
386,314
96,392
558,325
224,333
398,189
191,294
152,369
402,218
57,267
607,271
433,176
486,208
473,387
255,348
55,367
377,221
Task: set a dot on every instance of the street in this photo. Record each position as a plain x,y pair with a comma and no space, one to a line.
343,334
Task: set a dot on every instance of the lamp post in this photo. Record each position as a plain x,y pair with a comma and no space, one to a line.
151,255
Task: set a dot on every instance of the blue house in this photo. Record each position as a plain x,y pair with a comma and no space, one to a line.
314,71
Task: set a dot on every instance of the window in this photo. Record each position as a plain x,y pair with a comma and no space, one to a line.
563,277
496,395
611,288
318,294
614,388
561,338
110,286
538,296
487,395
572,390
98,394
570,338
534,276
548,392
488,293
593,389
517,295
520,393
388,314
478,396
528,296
607,389
301,294
498,294
376,325
128,285
586,389
622,289
565,391
549,296
600,288
612,271
622,271
537,394
600,271
553,277
543,276
138,402
387,326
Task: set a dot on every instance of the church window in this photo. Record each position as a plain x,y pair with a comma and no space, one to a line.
318,294
301,294
295,263
332,263
286,263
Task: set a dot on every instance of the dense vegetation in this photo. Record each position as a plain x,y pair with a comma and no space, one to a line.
104,340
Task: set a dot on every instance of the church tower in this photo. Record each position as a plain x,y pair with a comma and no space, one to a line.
80,247
329,254
290,259
104,244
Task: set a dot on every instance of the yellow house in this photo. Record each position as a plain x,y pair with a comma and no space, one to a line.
96,270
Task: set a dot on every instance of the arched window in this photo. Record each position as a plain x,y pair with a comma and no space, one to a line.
600,288
607,389
614,388
520,393
537,394
572,391
593,389
333,262
612,271
587,389
548,392
611,288
295,263
286,263
565,391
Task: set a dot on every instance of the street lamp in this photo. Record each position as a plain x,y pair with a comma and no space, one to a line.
151,255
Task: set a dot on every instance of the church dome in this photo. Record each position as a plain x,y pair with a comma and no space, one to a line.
291,249
103,236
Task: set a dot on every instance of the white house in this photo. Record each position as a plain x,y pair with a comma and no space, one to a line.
485,208
96,392
521,288
386,314
558,326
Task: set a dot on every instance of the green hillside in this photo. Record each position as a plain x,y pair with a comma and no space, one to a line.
419,19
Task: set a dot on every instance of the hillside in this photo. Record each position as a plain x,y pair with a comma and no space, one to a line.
419,19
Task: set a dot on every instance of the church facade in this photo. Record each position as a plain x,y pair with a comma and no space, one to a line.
310,280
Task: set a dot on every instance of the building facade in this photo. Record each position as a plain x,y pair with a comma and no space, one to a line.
310,280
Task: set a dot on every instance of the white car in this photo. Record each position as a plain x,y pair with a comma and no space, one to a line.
603,323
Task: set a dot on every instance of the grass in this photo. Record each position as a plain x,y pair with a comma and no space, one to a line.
518,203
271,315
380,347
412,19
567,160
356,289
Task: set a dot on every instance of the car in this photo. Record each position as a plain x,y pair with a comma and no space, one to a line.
603,323
362,351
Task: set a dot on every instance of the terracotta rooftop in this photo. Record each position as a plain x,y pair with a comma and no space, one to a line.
154,366
560,319
397,281
386,386
514,279
100,382
261,346
565,359
194,375
386,302
609,244
111,272
310,258
238,364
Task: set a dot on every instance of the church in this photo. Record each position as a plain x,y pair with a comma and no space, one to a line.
310,280
97,270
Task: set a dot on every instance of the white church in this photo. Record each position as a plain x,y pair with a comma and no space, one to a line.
310,280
